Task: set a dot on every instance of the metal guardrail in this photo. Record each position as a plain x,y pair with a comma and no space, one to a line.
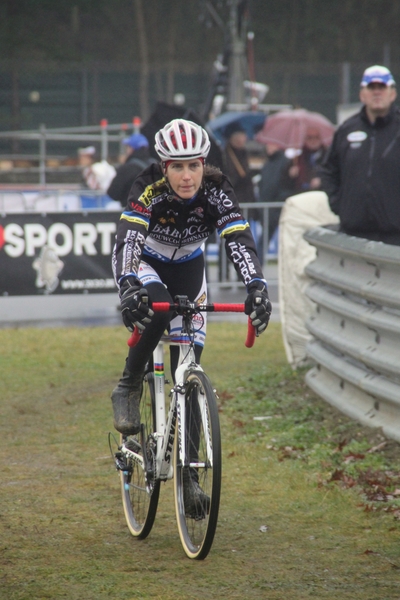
356,327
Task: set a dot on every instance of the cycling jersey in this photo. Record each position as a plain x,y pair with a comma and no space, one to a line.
157,224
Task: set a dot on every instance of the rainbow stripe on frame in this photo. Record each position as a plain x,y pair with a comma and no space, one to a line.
159,369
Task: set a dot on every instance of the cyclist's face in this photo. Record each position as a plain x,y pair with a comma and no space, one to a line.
185,177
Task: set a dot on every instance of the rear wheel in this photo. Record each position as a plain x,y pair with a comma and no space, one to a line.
198,481
140,489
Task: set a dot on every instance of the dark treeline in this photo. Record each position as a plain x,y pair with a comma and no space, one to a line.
184,31
85,59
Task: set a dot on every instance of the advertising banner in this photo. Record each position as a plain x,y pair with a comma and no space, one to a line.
57,253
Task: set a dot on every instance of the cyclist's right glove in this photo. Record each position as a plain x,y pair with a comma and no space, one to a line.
134,304
257,305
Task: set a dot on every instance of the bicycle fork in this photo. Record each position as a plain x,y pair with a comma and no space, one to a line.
191,412
164,435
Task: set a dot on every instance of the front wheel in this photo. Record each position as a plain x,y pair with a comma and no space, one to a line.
197,482
140,489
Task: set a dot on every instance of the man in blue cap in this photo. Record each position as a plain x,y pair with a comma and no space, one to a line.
137,159
361,172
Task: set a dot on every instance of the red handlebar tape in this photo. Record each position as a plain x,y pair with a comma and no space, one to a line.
216,307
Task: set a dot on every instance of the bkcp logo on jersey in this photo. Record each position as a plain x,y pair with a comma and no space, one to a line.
56,253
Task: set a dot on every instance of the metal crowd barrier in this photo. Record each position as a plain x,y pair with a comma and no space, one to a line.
54,200
356,327
103,134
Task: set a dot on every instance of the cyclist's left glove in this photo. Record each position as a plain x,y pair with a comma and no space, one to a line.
257,305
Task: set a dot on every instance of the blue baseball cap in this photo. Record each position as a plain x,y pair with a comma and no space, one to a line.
136,141
377,74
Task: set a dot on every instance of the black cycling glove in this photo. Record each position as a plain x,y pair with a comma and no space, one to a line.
135,304
257,305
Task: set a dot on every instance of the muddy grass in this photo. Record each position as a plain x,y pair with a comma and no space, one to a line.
310,500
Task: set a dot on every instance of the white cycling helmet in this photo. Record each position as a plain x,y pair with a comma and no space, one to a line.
181,139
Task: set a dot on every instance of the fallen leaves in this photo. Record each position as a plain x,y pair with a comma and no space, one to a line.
287,452
378,554
340,475
377,487
292,452
352,457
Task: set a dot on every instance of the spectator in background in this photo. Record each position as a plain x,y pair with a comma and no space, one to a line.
304,170
237,169
137,158
361,173
96,175
275,184
236,164
86,158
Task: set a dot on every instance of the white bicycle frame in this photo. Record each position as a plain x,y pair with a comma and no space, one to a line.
164,436
166,427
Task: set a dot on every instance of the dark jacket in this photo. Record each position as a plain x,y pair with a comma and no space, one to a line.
275,186
126,174
236,168
275,183
361,176
155,223
308,164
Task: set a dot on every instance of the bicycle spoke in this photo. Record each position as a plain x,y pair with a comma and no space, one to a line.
140,491
198,483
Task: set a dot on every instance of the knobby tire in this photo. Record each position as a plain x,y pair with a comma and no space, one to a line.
197,530
140,495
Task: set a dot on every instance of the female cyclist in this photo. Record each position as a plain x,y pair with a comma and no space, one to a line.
172,209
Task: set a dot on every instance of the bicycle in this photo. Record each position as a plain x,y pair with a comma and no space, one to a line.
185,446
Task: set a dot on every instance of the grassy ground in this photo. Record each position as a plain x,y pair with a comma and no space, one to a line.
310,502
